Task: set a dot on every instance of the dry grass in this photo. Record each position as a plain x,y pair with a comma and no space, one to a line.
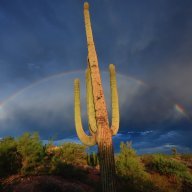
166,184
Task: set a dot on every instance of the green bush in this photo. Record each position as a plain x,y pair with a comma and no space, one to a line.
32,151
27,155
72,153
62,160
128,164
10,159
168,166
131,172
59,167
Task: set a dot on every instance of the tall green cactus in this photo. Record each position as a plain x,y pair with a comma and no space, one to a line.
101,132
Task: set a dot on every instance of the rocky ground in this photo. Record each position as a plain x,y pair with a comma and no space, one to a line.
49,183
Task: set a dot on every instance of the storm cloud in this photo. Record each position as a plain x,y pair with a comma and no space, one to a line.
47,107
147,40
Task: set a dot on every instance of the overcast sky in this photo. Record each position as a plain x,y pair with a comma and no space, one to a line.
149,41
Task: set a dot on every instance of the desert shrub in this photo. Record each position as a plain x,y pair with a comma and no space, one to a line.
128,164
167,183
168,166
60,167
31,149
131,172
187,157
64,160
146,158
10,159
72,153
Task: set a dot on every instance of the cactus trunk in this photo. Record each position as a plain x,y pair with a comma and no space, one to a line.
101,132
107,162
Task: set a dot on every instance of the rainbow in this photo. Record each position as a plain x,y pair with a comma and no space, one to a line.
20,91
177,106
34,83
180,109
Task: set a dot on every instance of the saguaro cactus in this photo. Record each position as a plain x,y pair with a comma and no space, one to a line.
100,131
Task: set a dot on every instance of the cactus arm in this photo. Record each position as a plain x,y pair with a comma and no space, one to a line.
90,103
85,139
114,100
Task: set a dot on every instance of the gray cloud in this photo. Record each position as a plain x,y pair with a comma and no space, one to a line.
47,107
148,40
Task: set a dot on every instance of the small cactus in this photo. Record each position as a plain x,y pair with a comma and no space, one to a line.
174,151
92,159
100,131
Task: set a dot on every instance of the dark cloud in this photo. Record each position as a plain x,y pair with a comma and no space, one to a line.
47,107
148,40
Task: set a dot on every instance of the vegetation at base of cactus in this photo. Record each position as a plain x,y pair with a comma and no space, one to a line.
32,151
100,130
70,153
68,161
167,166
10,159
92,159
128,163
131,171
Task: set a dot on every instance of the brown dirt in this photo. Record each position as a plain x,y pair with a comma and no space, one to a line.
46,183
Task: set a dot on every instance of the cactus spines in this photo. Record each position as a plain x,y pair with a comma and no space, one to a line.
101,132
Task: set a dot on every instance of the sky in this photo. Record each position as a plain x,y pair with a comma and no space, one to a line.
43,48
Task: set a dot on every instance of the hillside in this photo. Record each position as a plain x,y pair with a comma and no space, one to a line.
28,165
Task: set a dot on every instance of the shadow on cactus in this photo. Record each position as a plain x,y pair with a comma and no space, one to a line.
100,131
